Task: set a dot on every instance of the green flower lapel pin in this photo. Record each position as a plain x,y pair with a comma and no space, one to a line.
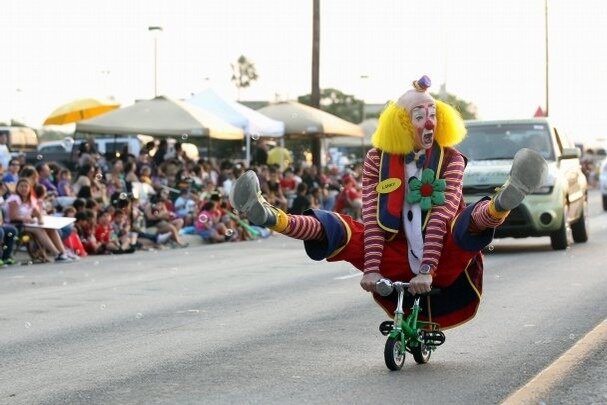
427,191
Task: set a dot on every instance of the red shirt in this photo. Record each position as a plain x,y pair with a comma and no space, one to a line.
103,233
350,193
288,184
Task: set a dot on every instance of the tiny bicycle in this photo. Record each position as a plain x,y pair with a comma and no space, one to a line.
408,334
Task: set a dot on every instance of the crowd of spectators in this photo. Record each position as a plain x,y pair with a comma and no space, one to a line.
150,201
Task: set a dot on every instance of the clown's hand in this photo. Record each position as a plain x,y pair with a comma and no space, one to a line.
420,284
369,280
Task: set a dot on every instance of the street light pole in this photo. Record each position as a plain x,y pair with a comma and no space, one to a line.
155,29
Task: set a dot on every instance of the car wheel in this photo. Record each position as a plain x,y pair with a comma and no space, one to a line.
579,228
558,238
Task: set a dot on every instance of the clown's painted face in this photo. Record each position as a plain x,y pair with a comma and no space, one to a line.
423,117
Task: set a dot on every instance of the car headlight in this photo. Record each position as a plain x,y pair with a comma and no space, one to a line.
548,185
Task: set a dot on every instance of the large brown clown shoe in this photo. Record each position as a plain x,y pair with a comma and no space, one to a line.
246,198
528,172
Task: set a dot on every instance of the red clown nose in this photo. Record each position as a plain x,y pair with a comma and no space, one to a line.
429,125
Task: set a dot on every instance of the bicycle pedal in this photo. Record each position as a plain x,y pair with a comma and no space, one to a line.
386,327
433,337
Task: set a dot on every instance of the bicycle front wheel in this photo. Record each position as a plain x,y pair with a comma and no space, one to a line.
394,354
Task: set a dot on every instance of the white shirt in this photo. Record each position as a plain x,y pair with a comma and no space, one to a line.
5,156
412,224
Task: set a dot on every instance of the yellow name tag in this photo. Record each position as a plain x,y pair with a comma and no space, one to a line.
388,185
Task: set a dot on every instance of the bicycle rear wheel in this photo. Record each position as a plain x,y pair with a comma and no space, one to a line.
421,353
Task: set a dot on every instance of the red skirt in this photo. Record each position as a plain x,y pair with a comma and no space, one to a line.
459,274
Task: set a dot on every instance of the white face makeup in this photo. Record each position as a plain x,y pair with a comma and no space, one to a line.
423,117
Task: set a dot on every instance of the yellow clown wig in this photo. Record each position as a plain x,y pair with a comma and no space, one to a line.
395,132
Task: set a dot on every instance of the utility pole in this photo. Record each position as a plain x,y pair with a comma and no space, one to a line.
362,119
546,38
315,93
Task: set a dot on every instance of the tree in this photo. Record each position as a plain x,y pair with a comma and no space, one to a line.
243,73
334,101
465,108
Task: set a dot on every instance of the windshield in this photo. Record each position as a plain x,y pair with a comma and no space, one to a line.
502,141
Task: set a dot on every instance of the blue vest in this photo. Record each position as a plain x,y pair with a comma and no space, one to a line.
392,186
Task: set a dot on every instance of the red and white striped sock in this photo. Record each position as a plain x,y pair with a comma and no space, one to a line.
482,219
304,227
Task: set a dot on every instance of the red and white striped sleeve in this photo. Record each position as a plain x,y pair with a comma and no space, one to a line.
442,215
373,235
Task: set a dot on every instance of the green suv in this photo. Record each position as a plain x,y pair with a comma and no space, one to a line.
558,206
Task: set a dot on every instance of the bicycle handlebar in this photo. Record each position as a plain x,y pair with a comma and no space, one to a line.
384,287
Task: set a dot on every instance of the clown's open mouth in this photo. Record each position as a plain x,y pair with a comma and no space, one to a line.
427,137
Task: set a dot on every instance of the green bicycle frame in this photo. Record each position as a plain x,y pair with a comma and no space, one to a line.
406,329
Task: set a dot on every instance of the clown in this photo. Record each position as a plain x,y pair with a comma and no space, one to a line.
415,226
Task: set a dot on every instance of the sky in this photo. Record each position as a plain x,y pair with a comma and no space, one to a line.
488,52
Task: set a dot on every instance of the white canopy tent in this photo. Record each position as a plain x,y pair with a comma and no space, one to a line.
161,116
308,123
253,123
302,121
368,126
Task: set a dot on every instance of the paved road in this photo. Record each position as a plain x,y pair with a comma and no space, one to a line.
258,322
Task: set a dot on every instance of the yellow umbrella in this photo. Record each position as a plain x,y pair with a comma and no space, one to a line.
80,109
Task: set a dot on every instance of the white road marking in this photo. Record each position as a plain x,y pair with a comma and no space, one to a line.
531,392
348,276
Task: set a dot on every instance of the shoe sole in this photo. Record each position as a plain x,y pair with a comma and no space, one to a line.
527,174
245,197
510,197
244,192
528,170
257,214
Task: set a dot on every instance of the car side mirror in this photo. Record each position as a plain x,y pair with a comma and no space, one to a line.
571,153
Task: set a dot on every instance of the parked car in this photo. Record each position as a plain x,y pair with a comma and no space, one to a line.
65,152
561,202
20,140
603,182
105,146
